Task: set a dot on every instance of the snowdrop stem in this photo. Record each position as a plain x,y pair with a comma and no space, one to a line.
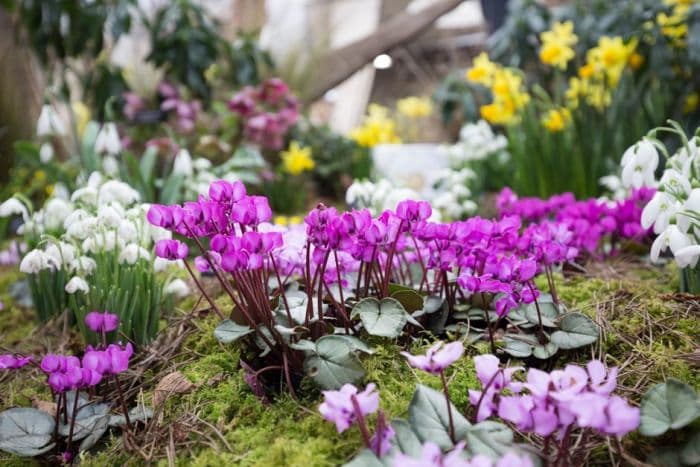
361,422
449,406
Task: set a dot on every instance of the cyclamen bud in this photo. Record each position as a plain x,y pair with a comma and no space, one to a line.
102,322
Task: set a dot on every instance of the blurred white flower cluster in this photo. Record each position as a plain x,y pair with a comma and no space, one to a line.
674,211
73,233
477,142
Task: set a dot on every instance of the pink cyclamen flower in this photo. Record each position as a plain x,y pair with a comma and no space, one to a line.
14,362
102,321
340,407
382,442
171,249
437,358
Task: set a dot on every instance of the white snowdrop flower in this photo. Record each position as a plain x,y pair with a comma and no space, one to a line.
33,262
110,166
77,284
95,180
55,213
201,164
60,253
183,163
132,253
671,238
639,163
127,230
688,256
49,123
75,216
114,190
108,141
12,207
86,195
102,241
111,215
83,264
162,264
177,287
60,191
46,153
674,182
686,215
81,229
659,211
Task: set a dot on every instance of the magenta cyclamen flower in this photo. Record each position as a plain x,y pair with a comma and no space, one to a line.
171,249
101,322
413,211
437,358
431,456
341,407
14,362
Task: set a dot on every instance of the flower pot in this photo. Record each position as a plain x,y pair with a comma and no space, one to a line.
414,166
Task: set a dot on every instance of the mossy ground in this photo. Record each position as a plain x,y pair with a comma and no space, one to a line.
646,331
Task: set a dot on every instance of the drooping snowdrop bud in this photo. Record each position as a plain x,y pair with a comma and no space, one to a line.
49,123
108,141
183,163
46,153
77,284
639,163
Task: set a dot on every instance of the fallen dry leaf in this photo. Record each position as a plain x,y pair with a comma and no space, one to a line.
44,406
173,383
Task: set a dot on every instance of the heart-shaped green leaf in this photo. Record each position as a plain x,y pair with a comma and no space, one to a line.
429,419
385,318
543,352
229,331
548,312
491,439
690,454
26,432
405,439
669,405
432,303
576,330
517,348
410,299
333,364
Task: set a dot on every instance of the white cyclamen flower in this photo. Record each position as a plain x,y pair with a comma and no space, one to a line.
183,163
108,141
49,122
46,153
671,238
639,163
12,207
177,288
77,284
33,262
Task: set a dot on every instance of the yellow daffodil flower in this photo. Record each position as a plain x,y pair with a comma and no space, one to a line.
557,45
482,70
556,120
297,159
82,116
414,107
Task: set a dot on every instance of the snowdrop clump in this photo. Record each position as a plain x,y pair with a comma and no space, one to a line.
674,211
95,238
